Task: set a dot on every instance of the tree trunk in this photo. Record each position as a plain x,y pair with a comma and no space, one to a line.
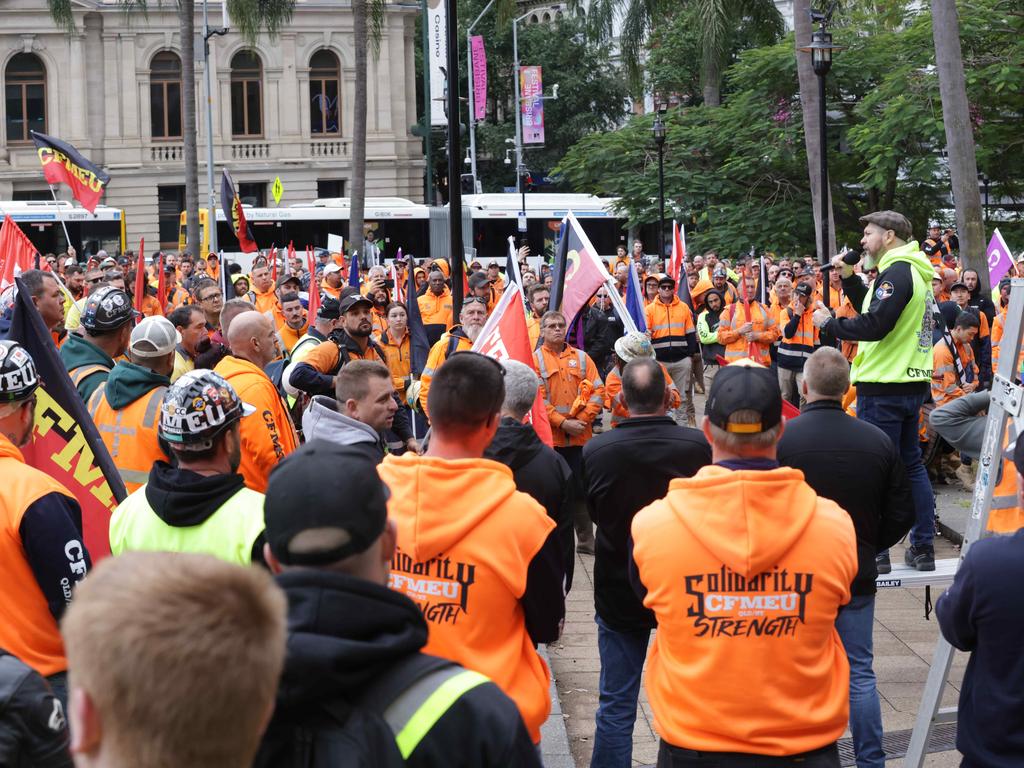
712,85
812,124
357,192
963,166
186,18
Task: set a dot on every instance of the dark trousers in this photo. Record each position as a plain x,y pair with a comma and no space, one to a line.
573,456
899,416
677,757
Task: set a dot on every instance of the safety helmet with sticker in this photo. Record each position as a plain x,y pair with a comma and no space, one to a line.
198,407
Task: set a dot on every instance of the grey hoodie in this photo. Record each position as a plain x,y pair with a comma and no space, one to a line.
323,421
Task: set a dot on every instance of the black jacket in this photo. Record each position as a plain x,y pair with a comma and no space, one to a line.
543,474
624,470
854,464
875,324
343,634
33,729
600,332
983,613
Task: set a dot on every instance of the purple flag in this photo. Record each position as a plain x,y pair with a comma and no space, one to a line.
999,259
479,77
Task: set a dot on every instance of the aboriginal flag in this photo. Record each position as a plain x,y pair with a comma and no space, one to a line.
232,207
63,164
65,444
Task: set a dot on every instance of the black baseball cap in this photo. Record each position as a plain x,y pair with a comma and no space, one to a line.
332,489
330,309
744,386
958,284
285,279
352,300
666,280
804,289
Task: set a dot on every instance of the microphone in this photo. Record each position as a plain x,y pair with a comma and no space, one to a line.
851,257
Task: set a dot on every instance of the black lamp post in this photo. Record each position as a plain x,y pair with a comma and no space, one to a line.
659,140
821,60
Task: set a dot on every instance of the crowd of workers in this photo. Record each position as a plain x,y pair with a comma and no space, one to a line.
416,573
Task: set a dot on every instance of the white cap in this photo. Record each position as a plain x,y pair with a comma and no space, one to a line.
332,268
70,261
154,337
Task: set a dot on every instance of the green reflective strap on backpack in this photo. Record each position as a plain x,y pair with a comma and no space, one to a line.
413,713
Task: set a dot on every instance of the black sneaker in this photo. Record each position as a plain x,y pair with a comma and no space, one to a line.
920,558
883,563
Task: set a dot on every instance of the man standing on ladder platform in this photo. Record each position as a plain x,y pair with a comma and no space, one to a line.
893,367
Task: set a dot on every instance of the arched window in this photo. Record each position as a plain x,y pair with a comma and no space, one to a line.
324,99
534,19
165,96
25,94
246,95
547,17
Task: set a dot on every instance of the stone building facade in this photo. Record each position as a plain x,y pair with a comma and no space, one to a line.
113,89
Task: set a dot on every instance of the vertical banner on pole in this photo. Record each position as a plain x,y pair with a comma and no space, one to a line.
531,86
479,77
438,56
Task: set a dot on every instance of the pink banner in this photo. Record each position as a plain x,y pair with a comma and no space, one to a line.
479,77
531,86
1000,261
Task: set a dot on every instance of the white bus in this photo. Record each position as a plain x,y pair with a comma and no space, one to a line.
89,232
418,229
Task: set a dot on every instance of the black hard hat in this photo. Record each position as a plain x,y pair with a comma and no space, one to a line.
107,309
18,376
198,407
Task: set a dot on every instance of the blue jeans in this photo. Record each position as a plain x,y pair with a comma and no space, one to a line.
899,416
855,624
622,661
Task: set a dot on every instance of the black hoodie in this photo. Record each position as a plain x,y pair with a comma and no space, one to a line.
344,633
183,498
543,474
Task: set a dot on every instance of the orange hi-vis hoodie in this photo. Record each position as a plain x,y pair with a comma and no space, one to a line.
745,572
466,537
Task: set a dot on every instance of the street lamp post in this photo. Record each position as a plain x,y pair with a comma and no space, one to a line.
984,185
472,94
520,164
659,139
208,32
821,60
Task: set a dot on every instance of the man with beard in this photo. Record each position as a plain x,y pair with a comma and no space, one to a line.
540,297
201,505
459,339
317,372
379,311
707,331
190,323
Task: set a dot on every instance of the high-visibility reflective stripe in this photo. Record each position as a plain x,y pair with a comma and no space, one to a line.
427,372
1004,502
582,357
411,730
80,374
133,476
668,326
562,409
944,369
951,389
156,397
791,352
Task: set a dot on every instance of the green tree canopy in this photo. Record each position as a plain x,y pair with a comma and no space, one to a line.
737,175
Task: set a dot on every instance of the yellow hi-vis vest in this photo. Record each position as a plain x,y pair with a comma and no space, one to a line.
229,533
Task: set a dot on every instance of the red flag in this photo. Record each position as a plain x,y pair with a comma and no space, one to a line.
140,275
17,254
63,164
313,300
584,273
273,264
505,337
65,444
161,286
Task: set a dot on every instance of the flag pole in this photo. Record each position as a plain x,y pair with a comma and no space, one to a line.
59,217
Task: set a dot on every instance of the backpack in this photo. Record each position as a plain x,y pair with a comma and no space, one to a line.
366,731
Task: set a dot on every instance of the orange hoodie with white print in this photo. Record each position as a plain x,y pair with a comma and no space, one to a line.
466,538
745,571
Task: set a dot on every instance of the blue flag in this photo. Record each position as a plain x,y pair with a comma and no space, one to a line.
634,299
419,345
353,270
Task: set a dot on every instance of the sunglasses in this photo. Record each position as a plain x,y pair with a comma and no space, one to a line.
475,300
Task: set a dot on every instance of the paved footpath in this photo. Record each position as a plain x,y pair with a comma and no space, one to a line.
904,645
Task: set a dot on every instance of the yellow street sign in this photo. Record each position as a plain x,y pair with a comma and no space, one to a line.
277,190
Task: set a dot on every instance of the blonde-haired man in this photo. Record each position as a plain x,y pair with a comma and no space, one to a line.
174,660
